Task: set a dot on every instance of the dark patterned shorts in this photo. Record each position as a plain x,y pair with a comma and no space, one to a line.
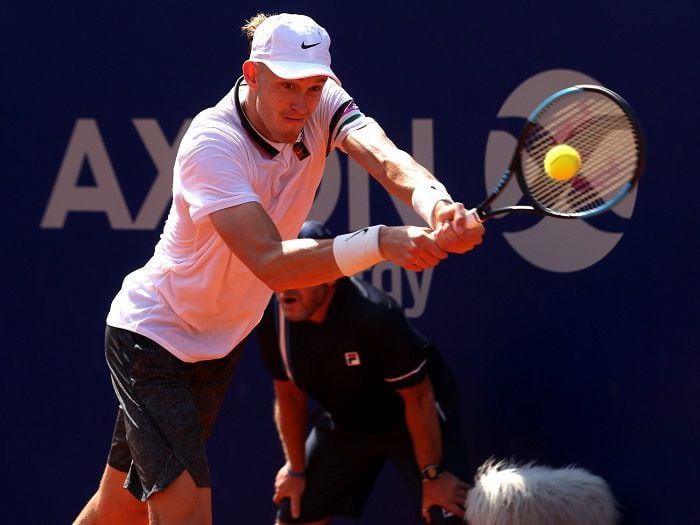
342,468
166,413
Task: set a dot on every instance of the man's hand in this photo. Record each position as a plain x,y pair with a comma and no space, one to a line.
447,492
288,486
411,247
451,232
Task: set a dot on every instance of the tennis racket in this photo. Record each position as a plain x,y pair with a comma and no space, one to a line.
602,128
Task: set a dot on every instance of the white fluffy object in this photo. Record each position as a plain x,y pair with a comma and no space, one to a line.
510,494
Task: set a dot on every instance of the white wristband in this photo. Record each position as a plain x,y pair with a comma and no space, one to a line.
357,251
426,196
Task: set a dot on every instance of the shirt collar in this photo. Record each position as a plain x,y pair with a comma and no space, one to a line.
264,145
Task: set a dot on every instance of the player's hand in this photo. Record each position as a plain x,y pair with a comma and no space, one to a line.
447,492
411,247
451,232
288,486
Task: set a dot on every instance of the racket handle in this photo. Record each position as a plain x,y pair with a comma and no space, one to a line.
473,219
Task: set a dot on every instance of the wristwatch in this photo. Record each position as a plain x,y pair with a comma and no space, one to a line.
432,472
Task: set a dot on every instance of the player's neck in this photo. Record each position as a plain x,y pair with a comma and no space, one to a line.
253,117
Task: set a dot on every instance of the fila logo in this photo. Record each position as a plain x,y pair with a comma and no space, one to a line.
352,358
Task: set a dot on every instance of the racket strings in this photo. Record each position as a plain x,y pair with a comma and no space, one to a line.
606,140
596,185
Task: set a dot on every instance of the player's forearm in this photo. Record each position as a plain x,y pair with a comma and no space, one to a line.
425,433
282,265
290,419
298,263
401,174
397,171
424,426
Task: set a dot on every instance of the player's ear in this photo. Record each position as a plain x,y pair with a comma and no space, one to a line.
250,74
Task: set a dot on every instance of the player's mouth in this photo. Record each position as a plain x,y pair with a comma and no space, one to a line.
288,299
299,119
292,307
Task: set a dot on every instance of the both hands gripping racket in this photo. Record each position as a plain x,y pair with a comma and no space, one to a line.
602,128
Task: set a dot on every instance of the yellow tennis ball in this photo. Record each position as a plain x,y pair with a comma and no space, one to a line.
562,162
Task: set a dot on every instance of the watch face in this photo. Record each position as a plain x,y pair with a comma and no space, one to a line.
432,472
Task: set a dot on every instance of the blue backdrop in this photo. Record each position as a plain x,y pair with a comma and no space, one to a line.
567,352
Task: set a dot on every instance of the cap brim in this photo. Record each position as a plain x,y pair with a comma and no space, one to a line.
296,70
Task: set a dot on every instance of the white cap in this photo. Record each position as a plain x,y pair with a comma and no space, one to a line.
292,46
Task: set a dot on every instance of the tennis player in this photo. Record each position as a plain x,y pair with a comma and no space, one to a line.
244,181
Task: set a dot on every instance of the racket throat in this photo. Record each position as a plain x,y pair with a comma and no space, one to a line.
496,190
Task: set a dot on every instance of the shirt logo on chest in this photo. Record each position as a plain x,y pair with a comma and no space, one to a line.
352,358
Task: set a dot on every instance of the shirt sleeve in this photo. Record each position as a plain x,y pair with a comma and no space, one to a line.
404,359
266,333
213,174
345,114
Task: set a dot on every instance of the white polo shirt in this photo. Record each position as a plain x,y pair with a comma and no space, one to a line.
194,296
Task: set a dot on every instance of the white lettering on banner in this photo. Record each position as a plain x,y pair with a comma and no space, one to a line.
418,285
86,144
163,156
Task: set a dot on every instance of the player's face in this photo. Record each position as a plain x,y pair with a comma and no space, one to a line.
306,304
282,107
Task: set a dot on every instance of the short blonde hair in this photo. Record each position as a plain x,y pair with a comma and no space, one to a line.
248,29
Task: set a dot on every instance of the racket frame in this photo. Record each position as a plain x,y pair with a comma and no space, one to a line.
482,211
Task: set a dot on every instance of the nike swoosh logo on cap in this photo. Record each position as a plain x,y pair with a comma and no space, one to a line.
304,46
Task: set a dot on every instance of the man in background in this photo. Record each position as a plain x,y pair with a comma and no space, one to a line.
385,394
